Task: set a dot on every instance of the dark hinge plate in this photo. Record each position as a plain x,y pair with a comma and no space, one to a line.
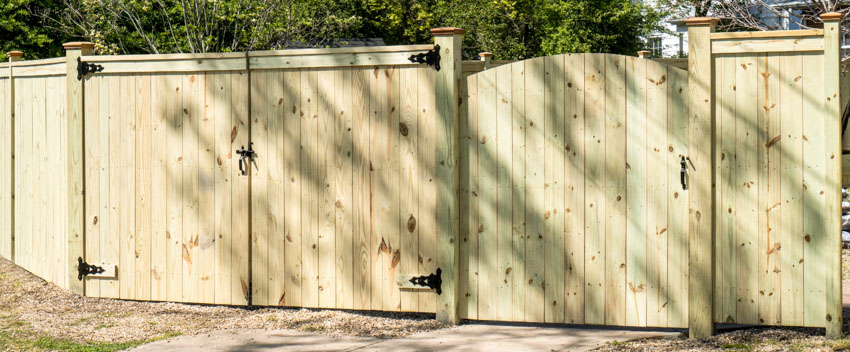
84,269
84,68
433,281
430,57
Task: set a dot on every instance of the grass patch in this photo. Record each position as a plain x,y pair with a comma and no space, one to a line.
18,341
311,328
841,345
736,346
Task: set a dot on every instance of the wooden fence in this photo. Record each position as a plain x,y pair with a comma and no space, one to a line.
544,190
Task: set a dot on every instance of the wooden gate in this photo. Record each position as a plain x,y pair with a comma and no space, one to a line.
576,213
165,201
343,197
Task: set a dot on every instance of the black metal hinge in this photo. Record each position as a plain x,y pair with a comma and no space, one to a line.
433,281
84,68
84,269
430,57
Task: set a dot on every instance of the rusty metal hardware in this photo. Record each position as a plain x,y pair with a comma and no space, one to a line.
433,281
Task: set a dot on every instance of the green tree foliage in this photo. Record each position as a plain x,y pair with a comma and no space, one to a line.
21,28
511,29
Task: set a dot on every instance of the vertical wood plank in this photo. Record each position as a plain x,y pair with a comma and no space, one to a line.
143,185
110,244
93,169
360,189
378,198
343,124
814,156
241,242
615,190
174,188
746,169
277,196
594,142
504,203
790,234
206,189
770,153
638,269
726,294
428,188
657,230
677,210
327,136
159,156
554,189
574,170
310,190
260,176
488,298
294,179
191,197
127,200
518,221
409,182
473,261
392,298
535,189
223,234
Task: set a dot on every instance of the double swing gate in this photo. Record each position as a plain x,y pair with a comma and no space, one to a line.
578,188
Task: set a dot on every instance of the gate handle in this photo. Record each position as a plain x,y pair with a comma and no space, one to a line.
245,154
685,160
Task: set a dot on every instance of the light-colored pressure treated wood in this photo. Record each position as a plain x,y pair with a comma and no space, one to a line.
593,270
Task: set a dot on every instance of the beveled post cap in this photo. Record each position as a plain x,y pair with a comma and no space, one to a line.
485,54
643,53
78,45
831,16
447,31
15,54
701,21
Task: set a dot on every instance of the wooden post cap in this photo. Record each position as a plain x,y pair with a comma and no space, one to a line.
78,45
447,31
485,54
831,16
701,21
643,53
15,53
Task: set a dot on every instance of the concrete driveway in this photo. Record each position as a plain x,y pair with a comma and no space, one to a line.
469,337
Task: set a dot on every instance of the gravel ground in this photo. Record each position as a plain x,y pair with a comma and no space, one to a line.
31,306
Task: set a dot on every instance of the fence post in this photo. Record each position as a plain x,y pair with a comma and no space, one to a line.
643,54
832,122
74,148
14,56
446,137
701,151
486,57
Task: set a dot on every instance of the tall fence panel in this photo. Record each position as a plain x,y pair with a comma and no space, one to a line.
574,209
165,200
40,172
773,234
343,189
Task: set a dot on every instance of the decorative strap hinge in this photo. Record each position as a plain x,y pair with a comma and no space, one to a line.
433,281
85,269
430,57
84,68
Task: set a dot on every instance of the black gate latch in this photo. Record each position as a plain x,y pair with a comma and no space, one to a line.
246,154
433,281
84,68
684,164
430,57
84,269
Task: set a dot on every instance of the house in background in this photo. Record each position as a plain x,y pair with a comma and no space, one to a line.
674,42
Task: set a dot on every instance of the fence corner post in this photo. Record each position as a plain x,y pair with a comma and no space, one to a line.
14,56
701,229
447,92
832,122
643,54
74,148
